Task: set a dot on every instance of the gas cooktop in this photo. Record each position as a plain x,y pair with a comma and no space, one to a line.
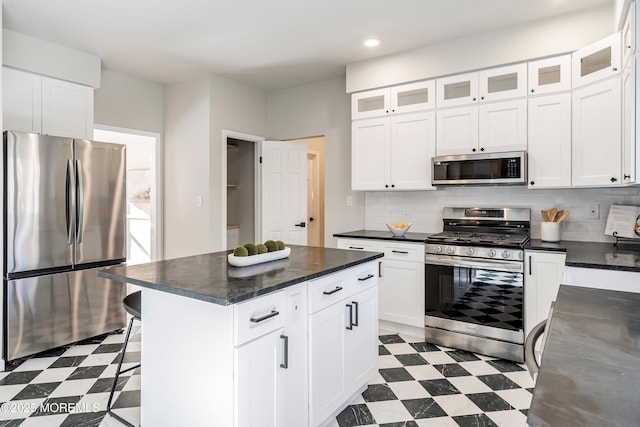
470,237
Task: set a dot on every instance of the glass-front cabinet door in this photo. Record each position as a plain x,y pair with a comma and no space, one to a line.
461,89
372,103
597,61
413,97
550,75
503,83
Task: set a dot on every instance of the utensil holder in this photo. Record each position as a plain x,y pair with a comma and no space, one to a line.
550,231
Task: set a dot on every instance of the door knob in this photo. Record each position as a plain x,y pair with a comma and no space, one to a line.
311,219
302,224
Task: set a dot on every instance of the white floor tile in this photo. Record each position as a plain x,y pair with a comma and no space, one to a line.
98,359
95,402
8,391
508,418
519,398
37,364
457,404
48,421
408,390
400,348
80,350
389,411
390,361
437,422
479,367
437,357
377,379
411,338
469,385
73,388
522,378
424,372
53,375
133,383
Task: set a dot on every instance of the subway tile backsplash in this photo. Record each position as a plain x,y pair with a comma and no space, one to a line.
424,208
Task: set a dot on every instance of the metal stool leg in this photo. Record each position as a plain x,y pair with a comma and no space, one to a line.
118,372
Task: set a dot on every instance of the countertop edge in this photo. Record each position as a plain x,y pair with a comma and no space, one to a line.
240,298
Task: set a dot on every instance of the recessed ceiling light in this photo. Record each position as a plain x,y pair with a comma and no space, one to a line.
372,42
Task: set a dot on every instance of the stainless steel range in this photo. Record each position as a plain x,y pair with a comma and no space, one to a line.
474,281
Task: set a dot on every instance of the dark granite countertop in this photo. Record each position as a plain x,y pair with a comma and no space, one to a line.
209,277
594,254
384,235
589,374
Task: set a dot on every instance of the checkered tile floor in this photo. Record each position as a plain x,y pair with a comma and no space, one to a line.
418,384
70,386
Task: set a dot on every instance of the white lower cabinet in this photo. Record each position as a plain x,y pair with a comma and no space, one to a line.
401,282
260,382
543,274
342,339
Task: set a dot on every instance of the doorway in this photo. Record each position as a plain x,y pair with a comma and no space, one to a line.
144,190
315,190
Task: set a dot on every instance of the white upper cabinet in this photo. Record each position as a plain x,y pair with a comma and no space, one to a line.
629,34
39,104
461,89
550,75
22,101
501,83
398,99
370,145
597,61
597,140
457,130
502,126
549,145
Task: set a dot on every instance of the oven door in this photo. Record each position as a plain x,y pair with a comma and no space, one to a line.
476,297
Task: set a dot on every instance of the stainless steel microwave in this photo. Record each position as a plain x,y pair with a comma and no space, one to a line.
509,168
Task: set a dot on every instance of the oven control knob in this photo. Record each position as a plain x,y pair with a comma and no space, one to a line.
437,249
450,251
469,251
506,254
491,253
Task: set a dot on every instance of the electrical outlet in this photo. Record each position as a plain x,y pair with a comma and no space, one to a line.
404,210
349,200
594,212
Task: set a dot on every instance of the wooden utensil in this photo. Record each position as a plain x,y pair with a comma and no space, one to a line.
552,214
545,215
562,216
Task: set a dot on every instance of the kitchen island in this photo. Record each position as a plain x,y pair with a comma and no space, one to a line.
288,342
589,373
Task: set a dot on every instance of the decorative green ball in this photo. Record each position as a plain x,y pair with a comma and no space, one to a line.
280,244
262,249
271,245
240,251
251,248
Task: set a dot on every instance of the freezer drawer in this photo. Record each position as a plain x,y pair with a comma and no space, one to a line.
45,312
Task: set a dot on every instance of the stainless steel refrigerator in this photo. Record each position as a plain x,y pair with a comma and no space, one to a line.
64,218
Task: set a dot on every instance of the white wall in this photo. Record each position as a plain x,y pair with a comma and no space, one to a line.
49,59
127,102
322,109
425,207
186,168
233,107
514,44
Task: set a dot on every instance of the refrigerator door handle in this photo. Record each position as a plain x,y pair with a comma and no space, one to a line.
69,195
79,201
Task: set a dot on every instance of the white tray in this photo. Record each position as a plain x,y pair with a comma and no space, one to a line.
243,261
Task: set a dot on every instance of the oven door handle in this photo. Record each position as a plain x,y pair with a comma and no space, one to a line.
450,261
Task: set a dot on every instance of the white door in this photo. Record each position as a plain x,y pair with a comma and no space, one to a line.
284,191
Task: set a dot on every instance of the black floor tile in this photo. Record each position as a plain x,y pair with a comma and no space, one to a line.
462,356
11,423
498,382
475,420
411,359
36,391
355,415
68,362
108,348
391,339
423,408
23,377
424,347
85,372
439,387
84,419
127,399
395,374
505,365
401,424
489,402
378,392
57,405
452,370
382,351
103,385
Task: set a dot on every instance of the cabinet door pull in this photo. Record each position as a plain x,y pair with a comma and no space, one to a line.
529,265
356,247
273,313
379,268
367,277
355,304
337,289
400,252
350,327
285,352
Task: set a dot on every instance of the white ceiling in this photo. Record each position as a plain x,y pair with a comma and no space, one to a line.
268,44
